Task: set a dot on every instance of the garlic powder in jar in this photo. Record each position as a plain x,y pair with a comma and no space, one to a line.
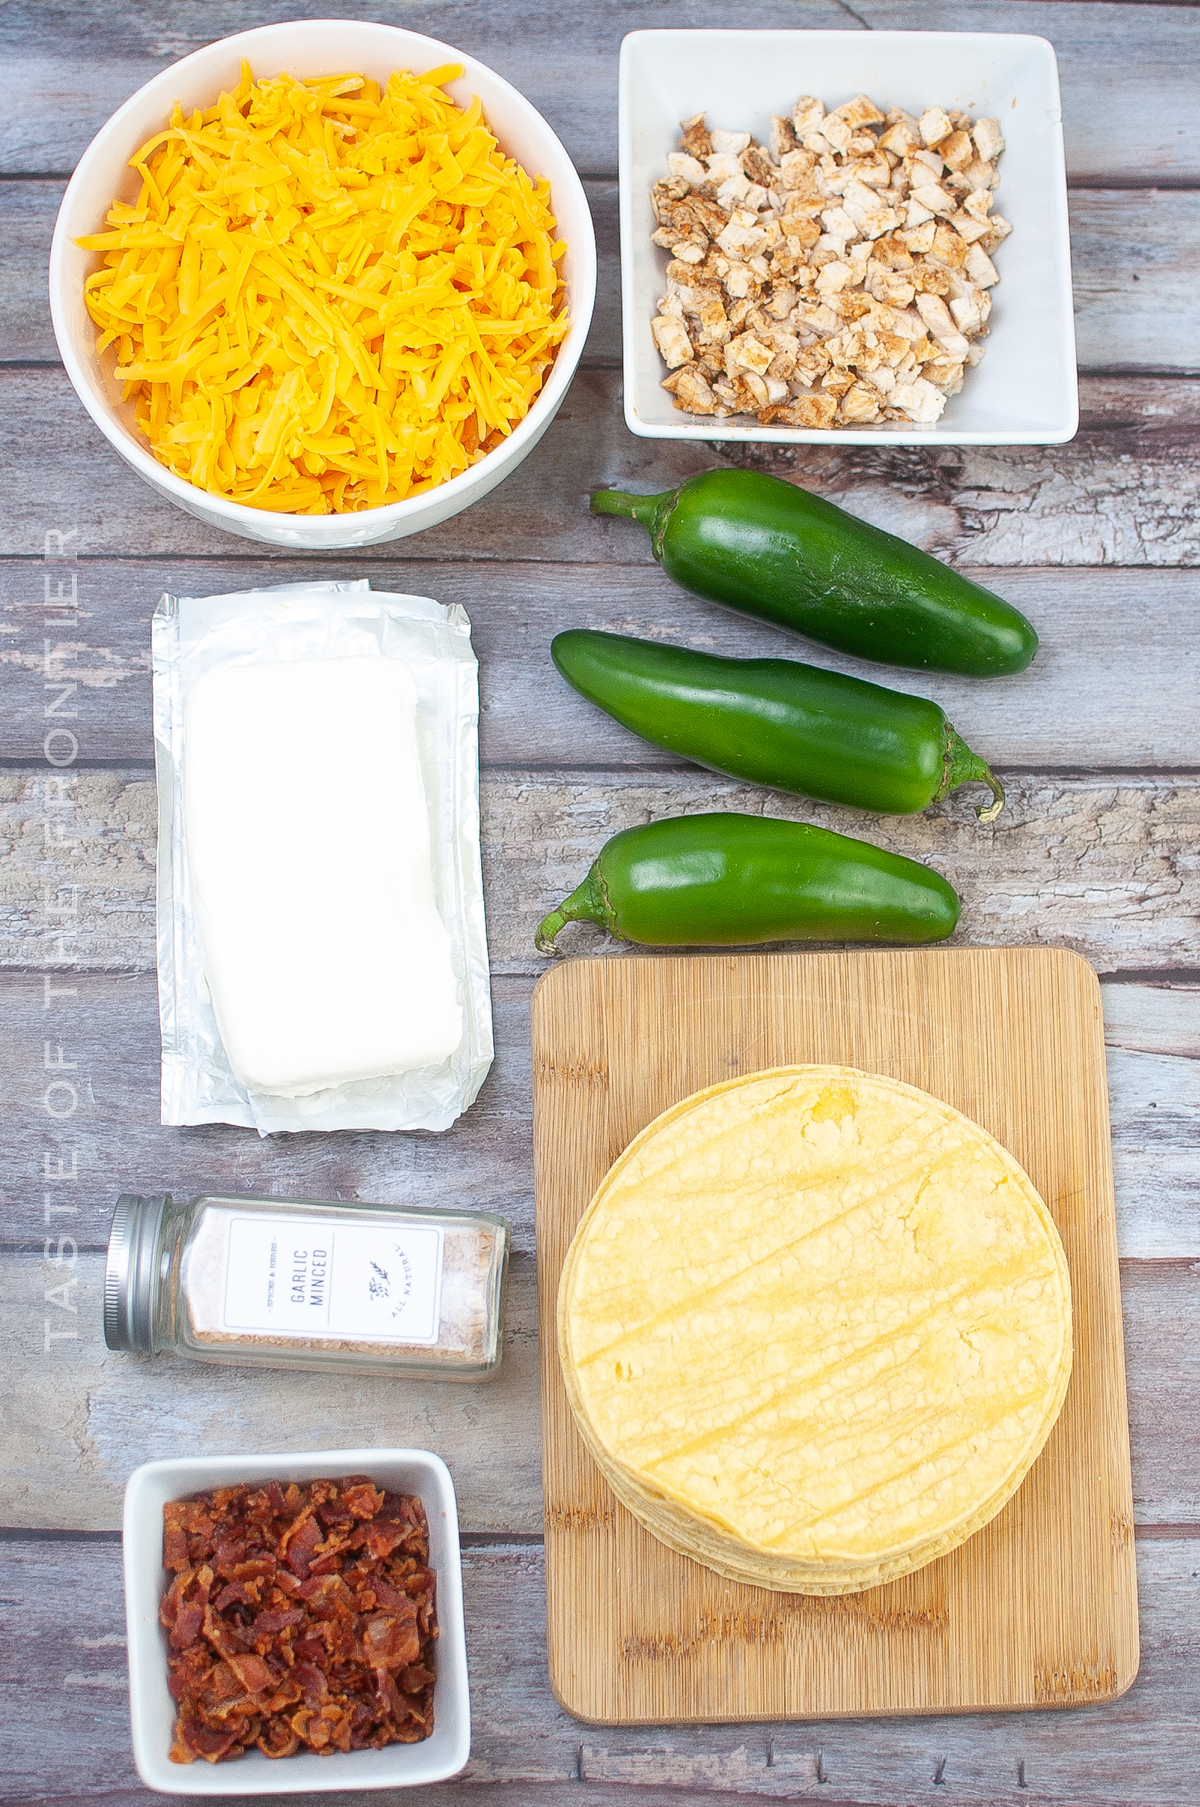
283,1282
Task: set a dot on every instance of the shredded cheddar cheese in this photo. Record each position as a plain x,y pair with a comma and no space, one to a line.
329,296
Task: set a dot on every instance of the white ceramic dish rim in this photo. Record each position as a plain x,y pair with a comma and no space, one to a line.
633,308
459,491
418,1471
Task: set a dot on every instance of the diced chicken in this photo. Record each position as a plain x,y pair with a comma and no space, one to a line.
948,248
691,391
671,337
873,170
945,374
919,237
901,139
723,166
989,140
968,227
979,204
919,400
750,353
740,281
807,115
860,404
758,166
835,132
713,322
979,175
935,125
933,198
887,285
957,150
795,168
695,137
859,112
733,191
743,237
869,212
835,281
980,268
971,310
689,169
782,138
839,226
936,315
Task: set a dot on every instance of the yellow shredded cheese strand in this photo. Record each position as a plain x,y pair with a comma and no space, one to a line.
329,296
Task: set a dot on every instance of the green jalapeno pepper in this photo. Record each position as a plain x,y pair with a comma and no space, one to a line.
770,549
734,881
777,722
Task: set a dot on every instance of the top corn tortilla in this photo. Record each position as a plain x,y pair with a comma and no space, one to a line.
815,1327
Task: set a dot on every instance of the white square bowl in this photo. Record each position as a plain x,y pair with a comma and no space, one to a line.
152,1710
1025,391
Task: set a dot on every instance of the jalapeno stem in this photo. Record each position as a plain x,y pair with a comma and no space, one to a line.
964,767
587,903
631,508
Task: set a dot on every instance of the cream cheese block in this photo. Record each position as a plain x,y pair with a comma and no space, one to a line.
308,850
815,1328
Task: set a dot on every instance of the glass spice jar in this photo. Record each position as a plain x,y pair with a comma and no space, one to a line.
306,1283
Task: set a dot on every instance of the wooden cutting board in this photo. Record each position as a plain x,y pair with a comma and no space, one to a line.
1040,1607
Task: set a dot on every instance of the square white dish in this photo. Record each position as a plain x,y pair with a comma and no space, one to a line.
152,1711
1025,391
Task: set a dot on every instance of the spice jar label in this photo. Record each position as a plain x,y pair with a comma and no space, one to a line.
318,1278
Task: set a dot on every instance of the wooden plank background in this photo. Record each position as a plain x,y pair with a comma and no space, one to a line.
1099,746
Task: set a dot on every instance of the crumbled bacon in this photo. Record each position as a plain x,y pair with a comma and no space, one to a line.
298,1618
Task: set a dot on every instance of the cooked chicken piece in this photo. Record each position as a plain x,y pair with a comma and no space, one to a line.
689,169
935,125
696,140
859,112
692,392
782,138
989,140
671,337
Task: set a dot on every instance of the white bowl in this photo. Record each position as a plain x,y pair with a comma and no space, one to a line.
1025,391
307,48
152,1710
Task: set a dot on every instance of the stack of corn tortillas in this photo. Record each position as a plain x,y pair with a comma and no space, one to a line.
815,1328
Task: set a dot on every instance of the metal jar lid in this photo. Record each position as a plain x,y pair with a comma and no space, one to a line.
129,1276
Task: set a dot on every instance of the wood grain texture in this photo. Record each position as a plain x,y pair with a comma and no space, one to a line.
1125,492
1099,694
1124,114
67,1740
1106,866
1039,1607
